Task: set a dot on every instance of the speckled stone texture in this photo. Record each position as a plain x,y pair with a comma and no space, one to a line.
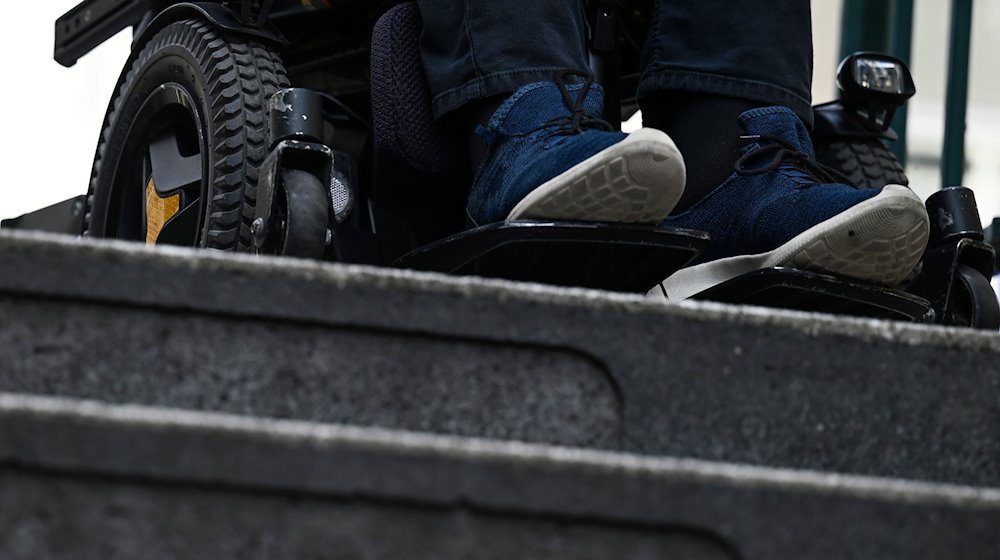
86,480
318,341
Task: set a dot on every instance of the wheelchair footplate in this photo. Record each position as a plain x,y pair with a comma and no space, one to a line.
792,288
616,257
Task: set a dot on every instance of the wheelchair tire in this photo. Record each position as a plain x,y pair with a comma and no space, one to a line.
867,164
187,125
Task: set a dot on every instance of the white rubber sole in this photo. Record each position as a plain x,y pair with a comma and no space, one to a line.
879,240
637,180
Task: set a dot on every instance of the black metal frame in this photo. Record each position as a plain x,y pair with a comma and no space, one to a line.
92,22
61,217
956,240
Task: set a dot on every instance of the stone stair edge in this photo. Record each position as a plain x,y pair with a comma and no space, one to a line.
18,411
34,245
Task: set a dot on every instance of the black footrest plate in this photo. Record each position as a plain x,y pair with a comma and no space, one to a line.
791,288
617,257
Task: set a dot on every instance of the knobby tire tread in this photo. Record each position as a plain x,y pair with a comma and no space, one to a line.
866,164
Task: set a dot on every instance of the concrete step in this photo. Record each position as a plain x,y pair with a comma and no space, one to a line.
86,480
320,342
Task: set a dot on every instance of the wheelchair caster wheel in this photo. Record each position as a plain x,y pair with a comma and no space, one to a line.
302,215
972,302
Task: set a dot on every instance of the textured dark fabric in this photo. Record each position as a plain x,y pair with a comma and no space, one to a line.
472,116
474,49
404,125
707,131
755,213
758,50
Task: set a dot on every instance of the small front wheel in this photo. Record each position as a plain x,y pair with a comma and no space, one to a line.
303,213
972,302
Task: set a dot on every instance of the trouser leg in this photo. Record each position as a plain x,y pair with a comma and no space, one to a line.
476,49
755,50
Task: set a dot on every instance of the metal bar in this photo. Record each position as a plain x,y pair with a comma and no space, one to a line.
957,96
864,26
62,217
901,46
90,23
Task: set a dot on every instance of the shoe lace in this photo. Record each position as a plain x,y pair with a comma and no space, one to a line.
578,120
783,152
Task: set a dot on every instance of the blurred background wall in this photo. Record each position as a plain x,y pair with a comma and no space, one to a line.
52,115
926,109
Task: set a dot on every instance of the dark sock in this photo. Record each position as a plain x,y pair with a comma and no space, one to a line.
469,118
707,132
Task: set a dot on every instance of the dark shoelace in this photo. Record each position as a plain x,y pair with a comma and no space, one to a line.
577,121
784,152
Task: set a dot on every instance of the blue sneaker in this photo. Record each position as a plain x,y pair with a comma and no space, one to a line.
782,208
550,157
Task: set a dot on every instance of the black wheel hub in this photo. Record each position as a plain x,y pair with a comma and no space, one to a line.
161,158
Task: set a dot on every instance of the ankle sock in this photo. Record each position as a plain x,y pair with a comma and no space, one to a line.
707,132
472,116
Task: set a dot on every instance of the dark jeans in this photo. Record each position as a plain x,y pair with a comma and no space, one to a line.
758,50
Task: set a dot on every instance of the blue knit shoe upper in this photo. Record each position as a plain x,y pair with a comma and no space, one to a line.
551,158
534,136
777,192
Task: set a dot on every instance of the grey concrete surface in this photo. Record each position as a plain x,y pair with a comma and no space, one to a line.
324,342
205,485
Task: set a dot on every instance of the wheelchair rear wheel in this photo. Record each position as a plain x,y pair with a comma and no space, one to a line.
868,164
184,137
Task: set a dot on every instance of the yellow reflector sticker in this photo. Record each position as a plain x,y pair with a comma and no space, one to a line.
158,211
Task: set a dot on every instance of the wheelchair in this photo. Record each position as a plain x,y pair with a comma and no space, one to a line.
304,128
